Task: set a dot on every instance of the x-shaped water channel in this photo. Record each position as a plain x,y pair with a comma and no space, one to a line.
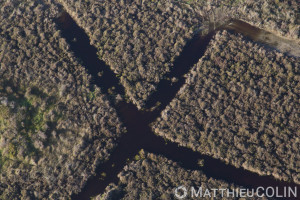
139,134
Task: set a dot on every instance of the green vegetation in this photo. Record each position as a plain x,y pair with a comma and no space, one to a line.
91,95
140,156
4,116
50,121
232,2
54,130
2,160
25,111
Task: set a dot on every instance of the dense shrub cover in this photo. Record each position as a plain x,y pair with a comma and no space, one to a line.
54,130
139,40
155,177
278,16
240,103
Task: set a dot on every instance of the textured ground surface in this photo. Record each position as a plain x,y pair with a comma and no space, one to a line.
240,104
53,129
156,177
280,16
140,40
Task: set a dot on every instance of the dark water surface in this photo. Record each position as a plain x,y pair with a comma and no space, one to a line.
140,135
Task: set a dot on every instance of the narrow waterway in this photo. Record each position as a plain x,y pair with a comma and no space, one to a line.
289,47
80,44
140,135
194,50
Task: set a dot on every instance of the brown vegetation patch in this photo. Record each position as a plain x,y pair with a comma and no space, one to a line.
240,104
54,127
139,40
155,177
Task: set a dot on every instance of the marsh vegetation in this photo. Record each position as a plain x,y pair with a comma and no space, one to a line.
239,104
60,118
52,130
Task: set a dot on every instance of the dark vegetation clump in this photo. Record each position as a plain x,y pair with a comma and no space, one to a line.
54,127
240,104
155,177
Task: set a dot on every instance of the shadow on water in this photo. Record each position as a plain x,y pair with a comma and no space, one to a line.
79,40
190,55
195,49
140,135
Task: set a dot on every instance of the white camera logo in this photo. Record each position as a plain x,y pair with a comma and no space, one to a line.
183,189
